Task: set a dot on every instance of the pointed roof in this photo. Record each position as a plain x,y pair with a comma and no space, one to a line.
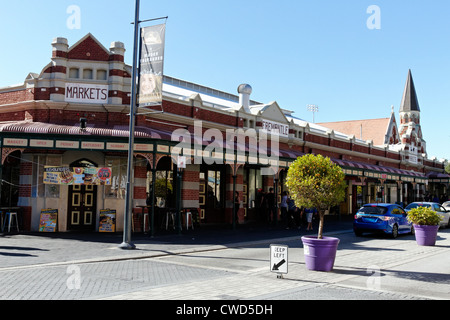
88,48
409,100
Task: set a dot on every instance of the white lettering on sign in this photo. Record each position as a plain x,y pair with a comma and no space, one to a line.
271,127
86,93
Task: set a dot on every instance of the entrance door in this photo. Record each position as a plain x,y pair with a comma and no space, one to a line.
82,207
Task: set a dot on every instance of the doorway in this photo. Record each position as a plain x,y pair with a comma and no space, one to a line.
82,202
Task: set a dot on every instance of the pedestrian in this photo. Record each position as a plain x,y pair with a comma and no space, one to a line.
237,204
284,209
309,217
270,206
293,214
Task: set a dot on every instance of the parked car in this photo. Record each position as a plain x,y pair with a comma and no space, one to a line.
440,209
381,218
446,205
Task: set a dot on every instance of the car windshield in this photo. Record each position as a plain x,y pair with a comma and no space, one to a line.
416,205
373,210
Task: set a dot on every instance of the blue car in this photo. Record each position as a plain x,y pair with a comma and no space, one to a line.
382,218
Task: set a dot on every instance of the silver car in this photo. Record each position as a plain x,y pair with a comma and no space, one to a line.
444,212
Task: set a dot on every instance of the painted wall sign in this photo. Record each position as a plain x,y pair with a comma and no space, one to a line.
270,126
86,93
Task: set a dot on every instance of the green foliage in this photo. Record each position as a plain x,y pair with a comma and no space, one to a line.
315,181
447,167
424,216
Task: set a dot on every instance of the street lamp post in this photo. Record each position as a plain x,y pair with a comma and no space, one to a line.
126,244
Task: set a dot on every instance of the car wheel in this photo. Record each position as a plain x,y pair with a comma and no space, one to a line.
358,233
394,231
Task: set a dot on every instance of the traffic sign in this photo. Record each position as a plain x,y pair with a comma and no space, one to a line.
279,258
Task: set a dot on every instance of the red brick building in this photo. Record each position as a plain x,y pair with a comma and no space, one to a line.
75,114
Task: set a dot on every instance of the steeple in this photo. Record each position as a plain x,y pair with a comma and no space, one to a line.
409,100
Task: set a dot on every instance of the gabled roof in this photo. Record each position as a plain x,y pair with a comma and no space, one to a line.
409,100
370,129
88,48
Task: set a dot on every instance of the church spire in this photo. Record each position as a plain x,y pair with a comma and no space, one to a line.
409,100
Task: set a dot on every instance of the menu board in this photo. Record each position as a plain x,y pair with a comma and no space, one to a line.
48,221
107,221
71,176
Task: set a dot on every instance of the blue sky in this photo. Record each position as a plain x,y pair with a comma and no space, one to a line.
295,52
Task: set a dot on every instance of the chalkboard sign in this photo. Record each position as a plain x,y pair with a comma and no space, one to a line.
107,221
48,221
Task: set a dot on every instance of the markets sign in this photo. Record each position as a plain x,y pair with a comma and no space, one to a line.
75,176
86,93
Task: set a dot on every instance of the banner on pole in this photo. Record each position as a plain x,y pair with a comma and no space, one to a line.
151,64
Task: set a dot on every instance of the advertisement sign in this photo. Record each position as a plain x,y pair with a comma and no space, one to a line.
48,220
151,65
107,221
86,93
74,176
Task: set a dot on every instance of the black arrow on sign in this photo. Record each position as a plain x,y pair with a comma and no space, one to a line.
276,266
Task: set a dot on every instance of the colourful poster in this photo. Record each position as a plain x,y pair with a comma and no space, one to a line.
71,176
48,221
107,221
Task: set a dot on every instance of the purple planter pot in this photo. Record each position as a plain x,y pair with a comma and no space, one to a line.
319,253
426,235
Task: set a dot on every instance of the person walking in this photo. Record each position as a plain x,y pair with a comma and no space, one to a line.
237,204
309,217
284,209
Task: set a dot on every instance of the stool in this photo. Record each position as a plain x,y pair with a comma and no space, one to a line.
10,215
145,221
171,215
188,214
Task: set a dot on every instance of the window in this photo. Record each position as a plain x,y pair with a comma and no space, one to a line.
101,75
118,184
88,74
74,73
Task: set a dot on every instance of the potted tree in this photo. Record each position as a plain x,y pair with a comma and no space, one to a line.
316,182
426,225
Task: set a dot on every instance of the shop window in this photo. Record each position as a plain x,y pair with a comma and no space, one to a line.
10,176
38,188
117,188
165,189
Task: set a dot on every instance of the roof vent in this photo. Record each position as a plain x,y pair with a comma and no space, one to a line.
245,90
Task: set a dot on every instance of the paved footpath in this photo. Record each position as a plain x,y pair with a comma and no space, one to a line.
76,267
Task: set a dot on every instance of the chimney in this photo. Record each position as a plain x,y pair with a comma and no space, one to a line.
245,90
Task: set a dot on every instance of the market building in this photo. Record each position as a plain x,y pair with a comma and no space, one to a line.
64,141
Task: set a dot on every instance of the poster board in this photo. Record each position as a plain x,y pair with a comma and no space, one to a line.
48,221
107,222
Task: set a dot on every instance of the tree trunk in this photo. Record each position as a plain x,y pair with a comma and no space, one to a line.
321,215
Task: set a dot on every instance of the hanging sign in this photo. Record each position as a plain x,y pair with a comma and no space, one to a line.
74,176
107,222
48,220
151,65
